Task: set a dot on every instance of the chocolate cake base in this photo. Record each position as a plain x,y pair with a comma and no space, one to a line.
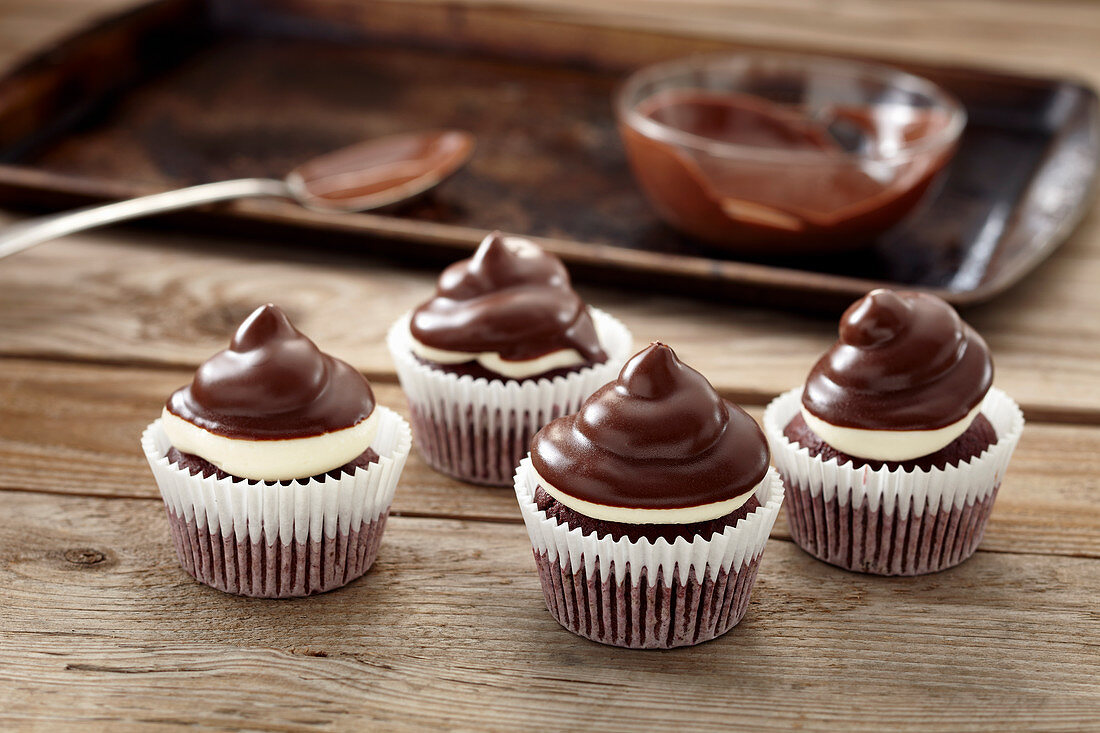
643,616
926,540
458,448
564,515
866,541
477,371
275,570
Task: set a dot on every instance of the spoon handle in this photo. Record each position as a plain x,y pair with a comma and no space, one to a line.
26,234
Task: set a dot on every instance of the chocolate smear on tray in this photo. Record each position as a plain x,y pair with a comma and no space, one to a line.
273,383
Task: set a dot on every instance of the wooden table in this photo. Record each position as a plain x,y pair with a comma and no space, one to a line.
99,625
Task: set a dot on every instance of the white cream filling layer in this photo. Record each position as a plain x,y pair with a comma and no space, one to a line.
887,445
632,515
272,460
492,361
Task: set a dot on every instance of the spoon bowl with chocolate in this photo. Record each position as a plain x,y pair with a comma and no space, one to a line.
785,153
362,177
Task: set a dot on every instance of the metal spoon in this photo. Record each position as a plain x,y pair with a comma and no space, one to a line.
361,177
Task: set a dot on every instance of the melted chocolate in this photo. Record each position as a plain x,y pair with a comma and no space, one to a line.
658,437
510,298
273,383
739,118
904,361
835,202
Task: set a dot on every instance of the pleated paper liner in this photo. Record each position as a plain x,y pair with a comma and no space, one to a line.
647,594
280,539
478,430
891,522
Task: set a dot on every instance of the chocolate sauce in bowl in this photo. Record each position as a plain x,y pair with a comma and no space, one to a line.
832,192
738,118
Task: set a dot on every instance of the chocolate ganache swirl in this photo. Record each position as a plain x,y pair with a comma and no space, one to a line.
904,361
273,383
511,298
658,437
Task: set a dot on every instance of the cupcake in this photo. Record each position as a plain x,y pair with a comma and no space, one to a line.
504,346
276,466
649,509
893,451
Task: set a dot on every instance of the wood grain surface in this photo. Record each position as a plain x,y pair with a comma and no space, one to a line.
55,415
101,629
448,630
129,298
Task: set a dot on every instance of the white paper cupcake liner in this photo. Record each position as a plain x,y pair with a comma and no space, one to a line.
649,594
891,521
478,430
280,539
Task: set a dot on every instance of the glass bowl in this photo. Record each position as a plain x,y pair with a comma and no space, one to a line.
774,153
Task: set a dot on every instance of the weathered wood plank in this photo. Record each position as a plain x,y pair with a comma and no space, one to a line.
127,297
29,23
1028,36
449,629
1052,37
74,429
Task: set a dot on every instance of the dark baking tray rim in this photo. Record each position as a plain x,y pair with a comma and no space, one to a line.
30,186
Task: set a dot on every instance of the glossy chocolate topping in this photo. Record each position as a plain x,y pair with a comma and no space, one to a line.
658,437
510,298
273,383
904,361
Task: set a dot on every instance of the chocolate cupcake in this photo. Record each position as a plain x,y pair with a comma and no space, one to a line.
893,451
504,346
276,466
649,509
